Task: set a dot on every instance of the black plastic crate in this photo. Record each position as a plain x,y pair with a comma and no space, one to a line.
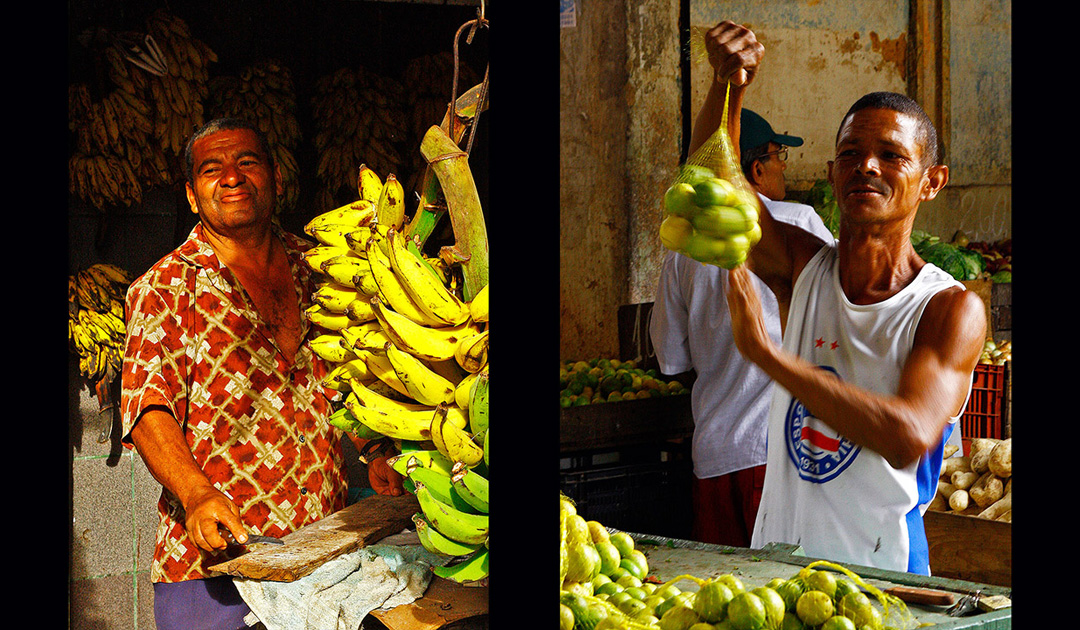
649,497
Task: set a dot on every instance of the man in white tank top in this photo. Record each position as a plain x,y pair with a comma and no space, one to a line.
879,346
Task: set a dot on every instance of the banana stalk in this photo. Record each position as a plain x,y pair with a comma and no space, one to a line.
428,212
451,166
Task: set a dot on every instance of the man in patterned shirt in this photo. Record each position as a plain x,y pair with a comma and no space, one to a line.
222,395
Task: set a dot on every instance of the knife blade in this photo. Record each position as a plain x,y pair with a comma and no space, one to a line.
252,538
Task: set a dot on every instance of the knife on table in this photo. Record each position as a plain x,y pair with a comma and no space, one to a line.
252,538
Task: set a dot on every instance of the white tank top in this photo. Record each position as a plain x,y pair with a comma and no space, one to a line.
837,500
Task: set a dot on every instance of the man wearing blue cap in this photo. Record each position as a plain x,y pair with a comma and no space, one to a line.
691,330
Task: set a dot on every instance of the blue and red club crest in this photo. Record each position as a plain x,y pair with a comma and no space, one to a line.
818,452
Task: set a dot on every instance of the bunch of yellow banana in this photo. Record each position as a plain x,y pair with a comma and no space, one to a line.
131,139
263,93
359,118
411,357
177,93
96,329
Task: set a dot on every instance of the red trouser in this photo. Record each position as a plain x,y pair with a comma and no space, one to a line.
725,507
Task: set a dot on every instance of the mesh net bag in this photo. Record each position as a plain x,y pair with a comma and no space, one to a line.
710,211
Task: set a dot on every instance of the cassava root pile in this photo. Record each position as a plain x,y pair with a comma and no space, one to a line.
978,484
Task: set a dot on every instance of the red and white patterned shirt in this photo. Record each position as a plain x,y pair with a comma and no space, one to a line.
253,417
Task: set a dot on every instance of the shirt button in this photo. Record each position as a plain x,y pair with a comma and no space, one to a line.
303,490
301,439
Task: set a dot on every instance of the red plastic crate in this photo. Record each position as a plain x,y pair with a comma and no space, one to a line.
983,416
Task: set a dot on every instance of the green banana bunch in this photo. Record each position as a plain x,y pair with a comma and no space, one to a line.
471,486
472,568
433,459
478,403
458,525
434,541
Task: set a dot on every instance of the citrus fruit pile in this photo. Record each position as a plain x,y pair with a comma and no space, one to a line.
606,585
610,380
709,218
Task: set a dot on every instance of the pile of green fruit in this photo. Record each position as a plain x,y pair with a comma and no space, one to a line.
605,584
610,380
709,218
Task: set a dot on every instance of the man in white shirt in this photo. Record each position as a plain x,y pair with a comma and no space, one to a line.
879,349
691,330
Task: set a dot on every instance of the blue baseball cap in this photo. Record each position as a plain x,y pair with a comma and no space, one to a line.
755,131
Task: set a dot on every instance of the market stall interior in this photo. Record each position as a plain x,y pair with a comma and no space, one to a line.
627,429
335,87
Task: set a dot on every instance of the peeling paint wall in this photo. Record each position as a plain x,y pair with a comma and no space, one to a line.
819,59
593,238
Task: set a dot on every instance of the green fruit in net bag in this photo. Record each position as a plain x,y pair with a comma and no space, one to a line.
701,625
732,582
675,231
678,617
623,542
633,568
694,173
704,248
721,221
631,607
790,591
577,530
814,607
773,583
749,210
746,611
753,235
609,557
838,622
774,605
637,556
583,562
791,621
597,532
823,581
714,191
857,607
566,617
679,200
712,600
845,587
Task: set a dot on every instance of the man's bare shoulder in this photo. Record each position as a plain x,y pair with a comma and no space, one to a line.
954,317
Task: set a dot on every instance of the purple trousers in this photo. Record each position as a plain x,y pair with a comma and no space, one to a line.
209,604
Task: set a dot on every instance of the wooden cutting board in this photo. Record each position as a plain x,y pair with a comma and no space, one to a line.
363,523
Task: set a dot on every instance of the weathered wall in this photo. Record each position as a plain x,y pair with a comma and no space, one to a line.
592,161
978,199
819,58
